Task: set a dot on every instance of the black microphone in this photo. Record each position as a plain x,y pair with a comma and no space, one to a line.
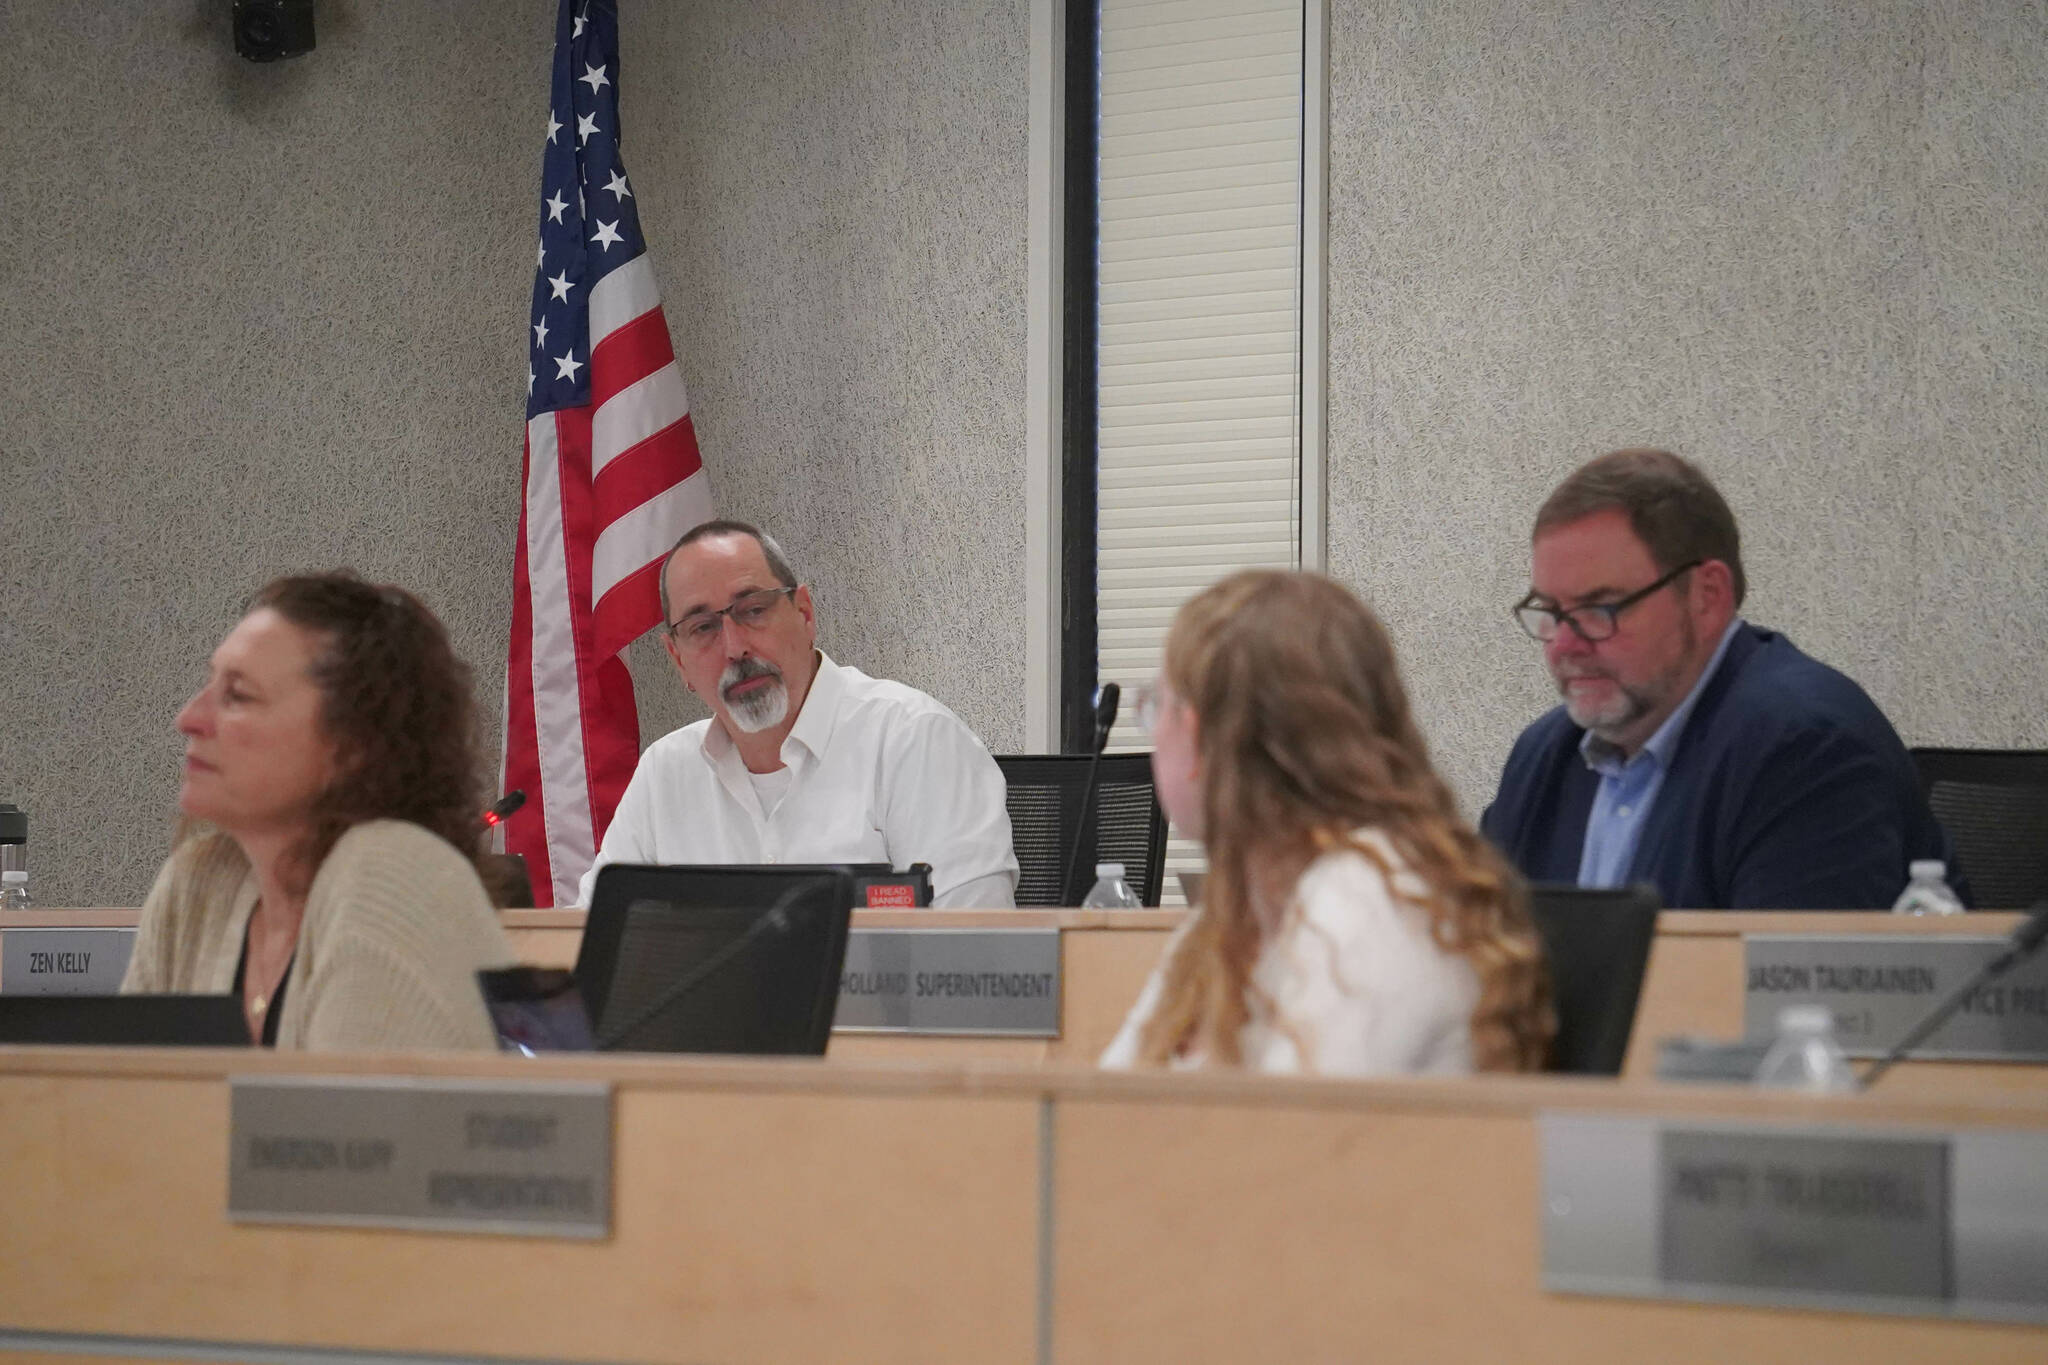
499,811
2024,943
776,920
1106,698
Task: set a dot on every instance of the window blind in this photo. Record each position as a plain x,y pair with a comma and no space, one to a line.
1199,319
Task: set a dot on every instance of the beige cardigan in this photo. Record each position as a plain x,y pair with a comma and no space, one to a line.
396,927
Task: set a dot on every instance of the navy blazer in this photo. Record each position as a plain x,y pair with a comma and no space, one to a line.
1788,790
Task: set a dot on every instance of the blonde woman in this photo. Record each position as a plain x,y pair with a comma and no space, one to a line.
1352,922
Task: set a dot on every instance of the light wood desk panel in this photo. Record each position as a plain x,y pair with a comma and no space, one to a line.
1400,1222
763,1212
777,1211
1105,958
1695,979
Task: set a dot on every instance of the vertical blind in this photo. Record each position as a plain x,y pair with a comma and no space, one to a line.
1199,322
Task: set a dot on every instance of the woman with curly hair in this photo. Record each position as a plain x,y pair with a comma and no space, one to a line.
325,867
1352,923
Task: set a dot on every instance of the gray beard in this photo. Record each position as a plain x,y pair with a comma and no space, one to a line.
1632,703
762,710
758,711
1610,719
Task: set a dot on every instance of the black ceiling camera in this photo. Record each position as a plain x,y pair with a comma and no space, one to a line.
266,30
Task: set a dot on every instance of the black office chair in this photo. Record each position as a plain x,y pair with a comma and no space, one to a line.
1994,805
1598,943
1125,824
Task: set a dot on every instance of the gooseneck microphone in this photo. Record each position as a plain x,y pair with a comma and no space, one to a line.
1106,698
775,920
2024,943
500,810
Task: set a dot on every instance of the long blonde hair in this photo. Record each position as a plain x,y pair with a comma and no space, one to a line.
1304,739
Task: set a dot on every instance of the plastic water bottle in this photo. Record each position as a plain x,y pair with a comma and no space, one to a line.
14,889
1111,891
1927,893
1806,1055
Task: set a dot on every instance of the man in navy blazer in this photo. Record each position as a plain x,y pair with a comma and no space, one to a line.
1693,751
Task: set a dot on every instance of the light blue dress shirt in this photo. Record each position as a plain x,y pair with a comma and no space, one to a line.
1628,788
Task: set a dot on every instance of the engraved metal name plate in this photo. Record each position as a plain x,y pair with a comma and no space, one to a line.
531,1157
1799,1213
1879,987
64,961
980,981
1858,1219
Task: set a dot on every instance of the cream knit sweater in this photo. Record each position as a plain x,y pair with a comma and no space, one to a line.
396,927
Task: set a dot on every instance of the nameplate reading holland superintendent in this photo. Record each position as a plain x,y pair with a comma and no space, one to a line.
531,1158
981,981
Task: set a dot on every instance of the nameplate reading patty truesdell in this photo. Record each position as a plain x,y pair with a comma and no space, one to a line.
64,961
532,1157
1872,1220
951,981
1878,987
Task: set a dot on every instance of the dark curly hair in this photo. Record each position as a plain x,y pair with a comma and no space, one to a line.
396,703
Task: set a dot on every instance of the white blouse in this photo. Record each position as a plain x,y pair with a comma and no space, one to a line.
1355,984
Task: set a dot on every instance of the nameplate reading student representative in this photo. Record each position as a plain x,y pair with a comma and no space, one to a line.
1879,987
1864,1220
64,961
980,981
533,1157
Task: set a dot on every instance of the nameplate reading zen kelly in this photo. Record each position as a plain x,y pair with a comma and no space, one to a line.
64,961
532,1158
1878,987
951,981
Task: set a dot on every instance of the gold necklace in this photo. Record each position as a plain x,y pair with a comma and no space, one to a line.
261,1003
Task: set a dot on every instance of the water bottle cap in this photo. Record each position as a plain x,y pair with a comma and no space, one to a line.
1109,870
13,876
1927,869
1805,1019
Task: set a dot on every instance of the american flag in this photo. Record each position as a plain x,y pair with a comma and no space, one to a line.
612,478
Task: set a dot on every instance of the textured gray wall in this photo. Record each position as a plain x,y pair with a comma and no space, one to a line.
254,319
1807,245
1804,244
834,195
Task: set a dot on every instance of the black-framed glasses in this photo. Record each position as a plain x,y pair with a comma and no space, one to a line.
1594,622
749,611
1152,697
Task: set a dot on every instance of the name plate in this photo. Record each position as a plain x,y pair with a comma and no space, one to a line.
980,981
1804,1214
64,961
1879,987
532,1158
1867,1220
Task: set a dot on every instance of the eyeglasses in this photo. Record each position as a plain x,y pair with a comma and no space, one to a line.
1593,622
749,611
1152,699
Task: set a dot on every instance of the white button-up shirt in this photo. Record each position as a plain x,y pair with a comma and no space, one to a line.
878,773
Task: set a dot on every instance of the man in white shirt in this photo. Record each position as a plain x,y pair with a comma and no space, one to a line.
802,760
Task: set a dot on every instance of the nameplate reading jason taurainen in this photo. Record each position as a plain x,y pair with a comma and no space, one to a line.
533,1157
1878,987
984,981
64,961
